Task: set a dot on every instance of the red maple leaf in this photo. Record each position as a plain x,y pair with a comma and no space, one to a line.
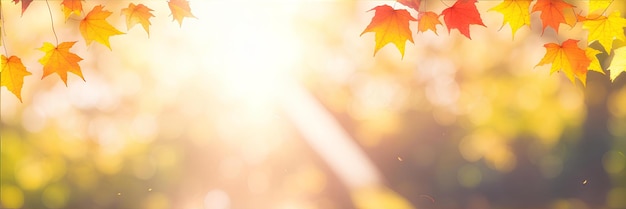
391,26
461,15
555,12
25,4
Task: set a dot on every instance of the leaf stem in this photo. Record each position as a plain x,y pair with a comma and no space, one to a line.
52,23
607,7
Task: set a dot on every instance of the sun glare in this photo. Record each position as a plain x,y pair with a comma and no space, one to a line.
281,104
250,50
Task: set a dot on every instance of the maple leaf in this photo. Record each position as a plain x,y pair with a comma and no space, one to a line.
390,26
414,4
72,7
180,9
618,64
568,58
25,4
138,14
428,21
604,29
94,27
60,60
595,63
461,15
555,12
516,13
12,74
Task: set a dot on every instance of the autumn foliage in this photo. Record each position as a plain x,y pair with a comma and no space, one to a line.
574,58
390,26
93,26
604,25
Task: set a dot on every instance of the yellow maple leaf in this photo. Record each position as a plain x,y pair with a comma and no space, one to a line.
180,9
428,21
618,64
516,13
390,26
604,29
595,63
71,7
12,74
568,58
60,60
94,27
138,14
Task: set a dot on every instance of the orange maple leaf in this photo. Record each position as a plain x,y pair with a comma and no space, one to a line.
12,74
138,14
390,26
180,9
555,12
414,4
60,60
569,58
461,15
94,27
72,7
25,4
428,21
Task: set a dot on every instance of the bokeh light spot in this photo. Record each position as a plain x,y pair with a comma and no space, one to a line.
216,199
11,196
55,196
469,176
613,162
615,198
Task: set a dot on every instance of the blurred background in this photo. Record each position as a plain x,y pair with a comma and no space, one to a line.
280,104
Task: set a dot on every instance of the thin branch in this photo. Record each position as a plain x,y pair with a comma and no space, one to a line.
52,23
3,32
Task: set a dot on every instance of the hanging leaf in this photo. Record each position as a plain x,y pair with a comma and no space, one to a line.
180,9
595,63
94,27
428,21
12,74
25,4
605,29
516,13
138,14
60,60
618,64
72,7
390,26
555,12
569,58
461,15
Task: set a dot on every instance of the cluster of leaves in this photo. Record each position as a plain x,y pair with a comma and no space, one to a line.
392,26
93,27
